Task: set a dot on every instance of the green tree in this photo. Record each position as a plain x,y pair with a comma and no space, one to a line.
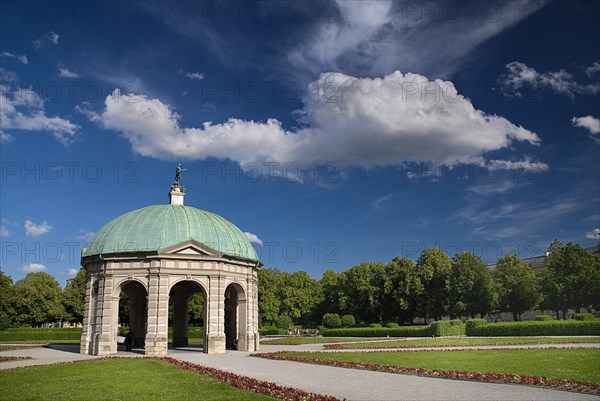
331,292
196,309
300,295
331,320
516,286
402,291
433,270
73,298
268,301
571,278
359,294
7,313
470,289
38,299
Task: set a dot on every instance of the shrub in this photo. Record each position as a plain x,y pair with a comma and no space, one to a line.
543,318
537,328
39,334
447,328
283,322
348,321
331,320
375,326
455,322
392,325
472,324
584,316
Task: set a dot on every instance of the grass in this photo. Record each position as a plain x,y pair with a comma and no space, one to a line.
572,364
314,340
116,379
468,341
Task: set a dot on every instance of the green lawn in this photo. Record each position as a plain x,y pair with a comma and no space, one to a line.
116,379
574,364
314,340
445,342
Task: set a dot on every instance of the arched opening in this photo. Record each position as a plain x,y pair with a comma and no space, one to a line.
133,312
187,314
235,318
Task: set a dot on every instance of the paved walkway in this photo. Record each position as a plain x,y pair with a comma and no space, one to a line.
340,382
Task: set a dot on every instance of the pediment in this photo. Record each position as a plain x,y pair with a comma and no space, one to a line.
189,248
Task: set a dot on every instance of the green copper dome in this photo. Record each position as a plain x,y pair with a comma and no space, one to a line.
155,227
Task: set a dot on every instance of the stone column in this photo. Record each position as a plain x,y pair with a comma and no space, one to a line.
86,329
138,311
180,318
215,317
252,334
103,332
158,315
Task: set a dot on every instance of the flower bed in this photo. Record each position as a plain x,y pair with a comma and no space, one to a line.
13,358
560,384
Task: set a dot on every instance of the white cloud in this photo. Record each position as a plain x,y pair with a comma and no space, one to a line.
4,232
73,272
6,138
377,204
376,37
588,122
594,234
49,37
253,238
7,76
524,165
21,57
593,69
35,230
194,75
65,73
85,235
521,78
24,109
348,121
33,267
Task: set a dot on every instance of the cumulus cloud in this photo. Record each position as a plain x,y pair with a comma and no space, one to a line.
73,272
4,232
253,238
22,108
520,78
48,38
21,57
594,234
35,230
85,235
65,73
195,75
33,267
346,120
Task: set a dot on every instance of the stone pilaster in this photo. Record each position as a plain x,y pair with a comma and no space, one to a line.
158,310
180,319
86,330
215,329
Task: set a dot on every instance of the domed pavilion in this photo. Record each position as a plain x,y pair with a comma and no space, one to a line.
164,252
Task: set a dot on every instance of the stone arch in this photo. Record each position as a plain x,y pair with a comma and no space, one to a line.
235,317
137,298
181,292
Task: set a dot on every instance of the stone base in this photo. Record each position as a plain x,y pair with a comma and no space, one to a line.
215,345
156,346
84,346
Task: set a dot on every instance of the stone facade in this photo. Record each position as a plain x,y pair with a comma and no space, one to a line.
229,285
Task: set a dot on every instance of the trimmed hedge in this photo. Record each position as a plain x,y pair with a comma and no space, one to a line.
543,318
392,325
32,334
440,328
472,324
536,328
584,316
271,331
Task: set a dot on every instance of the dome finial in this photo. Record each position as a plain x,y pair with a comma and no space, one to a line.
177,190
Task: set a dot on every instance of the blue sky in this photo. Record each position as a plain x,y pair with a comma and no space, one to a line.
331,132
